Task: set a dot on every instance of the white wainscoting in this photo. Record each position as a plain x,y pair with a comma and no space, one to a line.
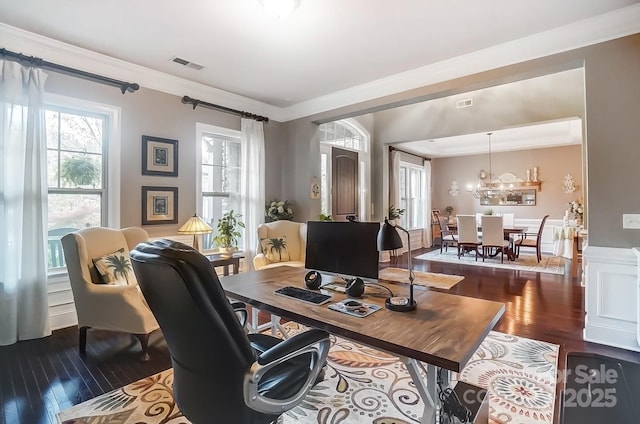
611,297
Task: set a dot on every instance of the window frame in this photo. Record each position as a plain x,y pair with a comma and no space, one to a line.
111,156
201,130
408,216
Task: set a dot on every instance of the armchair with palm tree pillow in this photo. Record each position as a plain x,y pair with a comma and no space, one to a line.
104,286
281,243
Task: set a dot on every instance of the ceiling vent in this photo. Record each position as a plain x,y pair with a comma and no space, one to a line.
460,104
187,63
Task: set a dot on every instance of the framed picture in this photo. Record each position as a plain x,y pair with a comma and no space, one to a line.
159,156
159,205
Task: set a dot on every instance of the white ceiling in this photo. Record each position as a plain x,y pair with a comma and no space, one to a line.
325,52
536,136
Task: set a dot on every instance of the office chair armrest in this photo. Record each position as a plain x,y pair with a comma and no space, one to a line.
291,345
314,342
240,308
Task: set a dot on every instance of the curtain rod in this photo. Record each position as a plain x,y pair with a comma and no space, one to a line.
196,103
409,153
38,62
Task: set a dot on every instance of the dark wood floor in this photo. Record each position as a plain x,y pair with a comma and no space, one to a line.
39,378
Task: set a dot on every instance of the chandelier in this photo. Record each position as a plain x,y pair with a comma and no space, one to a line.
491,189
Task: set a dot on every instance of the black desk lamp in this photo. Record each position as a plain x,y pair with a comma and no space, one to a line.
389,239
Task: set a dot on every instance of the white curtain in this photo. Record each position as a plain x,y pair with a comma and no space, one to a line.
24,309
253,175
394,193
426,235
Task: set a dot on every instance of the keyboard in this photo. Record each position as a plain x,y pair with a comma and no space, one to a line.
304,295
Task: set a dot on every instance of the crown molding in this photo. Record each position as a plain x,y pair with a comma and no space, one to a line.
616,24
32,44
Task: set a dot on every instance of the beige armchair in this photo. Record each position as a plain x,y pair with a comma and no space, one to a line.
106,306
295,234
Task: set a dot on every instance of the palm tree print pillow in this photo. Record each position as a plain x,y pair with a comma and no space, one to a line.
275,249
115,268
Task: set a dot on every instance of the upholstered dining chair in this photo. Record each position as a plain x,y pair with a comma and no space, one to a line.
531,240
508,220
219,372
493,236
447,237
467,234
111,301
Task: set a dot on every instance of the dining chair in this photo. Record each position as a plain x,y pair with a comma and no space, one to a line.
467,234
493,236
508,220
531,240
447,236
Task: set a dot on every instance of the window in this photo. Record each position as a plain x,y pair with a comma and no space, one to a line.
221,159
412,192
77,142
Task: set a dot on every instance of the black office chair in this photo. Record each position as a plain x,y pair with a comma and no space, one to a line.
220,373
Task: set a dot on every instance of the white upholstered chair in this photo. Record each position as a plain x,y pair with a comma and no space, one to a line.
468,234
508,220
493,236
114,307
295,234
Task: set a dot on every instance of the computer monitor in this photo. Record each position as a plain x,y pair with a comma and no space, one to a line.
347,249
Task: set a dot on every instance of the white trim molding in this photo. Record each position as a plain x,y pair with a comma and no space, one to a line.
612,297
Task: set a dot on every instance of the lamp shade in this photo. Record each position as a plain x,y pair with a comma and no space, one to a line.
195,225
388,237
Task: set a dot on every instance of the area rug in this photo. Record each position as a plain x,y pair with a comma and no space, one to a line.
428,279
526,261
363,385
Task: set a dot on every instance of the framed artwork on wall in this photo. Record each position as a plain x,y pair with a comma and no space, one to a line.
159,156
159,205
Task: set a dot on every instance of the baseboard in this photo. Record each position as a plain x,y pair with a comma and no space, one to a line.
610,336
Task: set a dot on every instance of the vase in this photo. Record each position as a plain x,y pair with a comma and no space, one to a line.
578,221
227,252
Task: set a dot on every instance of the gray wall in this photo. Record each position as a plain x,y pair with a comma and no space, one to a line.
149,112
553,164
611,120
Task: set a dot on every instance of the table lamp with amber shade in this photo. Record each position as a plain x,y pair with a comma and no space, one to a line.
195,225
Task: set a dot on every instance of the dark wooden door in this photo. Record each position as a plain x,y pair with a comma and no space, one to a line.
344,184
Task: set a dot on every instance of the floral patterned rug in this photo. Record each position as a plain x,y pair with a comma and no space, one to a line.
525,262
363,385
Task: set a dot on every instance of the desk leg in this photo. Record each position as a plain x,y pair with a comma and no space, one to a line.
427,389
274,324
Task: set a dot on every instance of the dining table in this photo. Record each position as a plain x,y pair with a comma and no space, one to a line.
508,232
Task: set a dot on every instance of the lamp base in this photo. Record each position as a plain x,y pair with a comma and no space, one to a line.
400,304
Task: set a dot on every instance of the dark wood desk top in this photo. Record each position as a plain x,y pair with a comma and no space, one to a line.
445,330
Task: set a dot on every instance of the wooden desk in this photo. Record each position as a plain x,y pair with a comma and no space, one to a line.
444,331
218,260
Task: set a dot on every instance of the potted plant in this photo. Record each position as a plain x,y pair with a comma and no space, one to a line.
81,171
395,213
228,232
324,217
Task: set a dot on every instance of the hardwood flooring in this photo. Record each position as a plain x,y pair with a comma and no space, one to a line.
39,378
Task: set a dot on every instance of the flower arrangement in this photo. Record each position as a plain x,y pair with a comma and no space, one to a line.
276,210
576,208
